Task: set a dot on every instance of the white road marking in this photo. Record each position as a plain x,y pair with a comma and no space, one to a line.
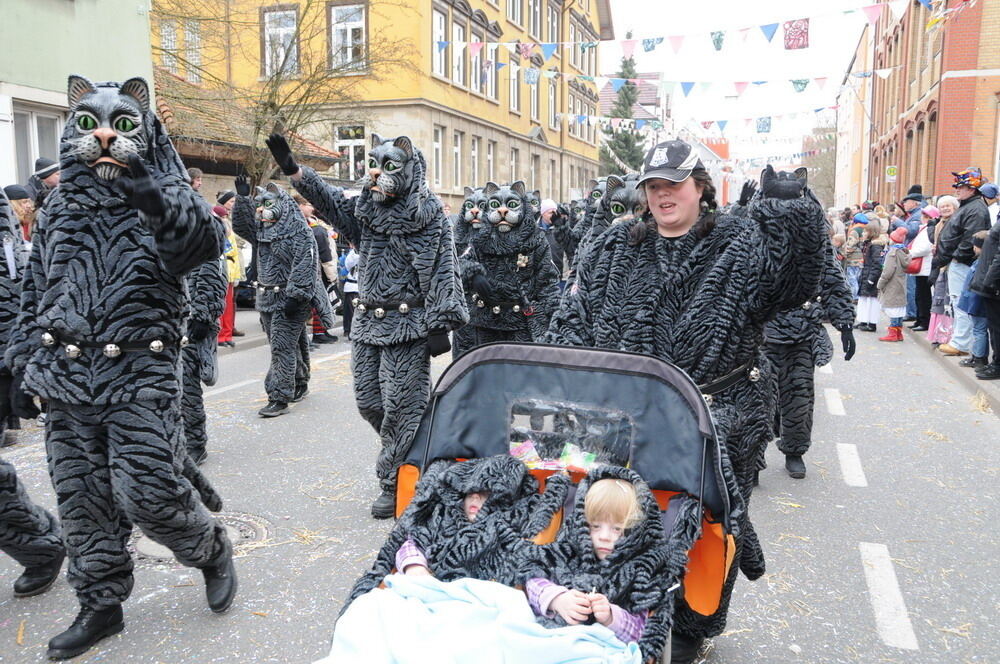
850,465
891,618
834,404
327,358
254,381
826,368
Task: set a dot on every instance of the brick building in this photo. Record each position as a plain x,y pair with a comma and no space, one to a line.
939,110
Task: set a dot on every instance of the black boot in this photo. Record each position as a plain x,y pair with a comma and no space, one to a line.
973,362
273,409
795,466
384,506
220,585
989,372
90,626
300,393
324,338
683,648
37,579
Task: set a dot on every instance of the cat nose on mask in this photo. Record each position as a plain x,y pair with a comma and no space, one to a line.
106,136
373,173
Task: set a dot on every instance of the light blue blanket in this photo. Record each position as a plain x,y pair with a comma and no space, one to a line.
420,620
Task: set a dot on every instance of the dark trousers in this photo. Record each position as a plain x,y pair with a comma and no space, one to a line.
992,306
348,304
923,301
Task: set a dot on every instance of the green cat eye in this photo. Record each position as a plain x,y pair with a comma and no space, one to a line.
617,208
513,204
595,194
268,203
494,204
124,124
468,205
390,167
86,123
372,163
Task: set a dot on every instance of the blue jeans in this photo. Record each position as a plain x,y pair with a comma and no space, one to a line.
961,336
980,336
853,274
896,322
911,296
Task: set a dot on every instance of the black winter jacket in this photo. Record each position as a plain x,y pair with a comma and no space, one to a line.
956,241
987,279
873,251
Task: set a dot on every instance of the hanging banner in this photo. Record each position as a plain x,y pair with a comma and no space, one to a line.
797,34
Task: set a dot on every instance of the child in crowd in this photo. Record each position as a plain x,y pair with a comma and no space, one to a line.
467,519
611,562
873,247
892,284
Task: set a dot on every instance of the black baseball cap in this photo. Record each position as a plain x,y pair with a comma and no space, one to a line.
670,160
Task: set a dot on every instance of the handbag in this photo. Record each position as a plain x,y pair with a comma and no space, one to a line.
916,264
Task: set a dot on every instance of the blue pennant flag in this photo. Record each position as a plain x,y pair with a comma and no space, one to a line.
639,124
442,45
769,30
617,83
581,119
500,65
649,44
531,76
722,124
686,87
548,50
927,4
760,82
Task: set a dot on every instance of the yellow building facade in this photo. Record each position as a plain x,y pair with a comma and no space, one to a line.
485,88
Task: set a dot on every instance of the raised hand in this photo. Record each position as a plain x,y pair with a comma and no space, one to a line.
749,189
282,153
242,185
782,185
139,188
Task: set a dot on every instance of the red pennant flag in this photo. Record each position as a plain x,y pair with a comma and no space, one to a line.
821,82
740,87
676,41
873,12
628,48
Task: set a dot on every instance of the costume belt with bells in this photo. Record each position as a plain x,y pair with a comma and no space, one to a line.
749,371
380,308
75,347
500,306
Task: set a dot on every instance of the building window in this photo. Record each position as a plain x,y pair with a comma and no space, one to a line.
492,75
534,96
553,108
440,59
456,155
490,172
553,23
476,73
347,37
536,168
574,48
36,134
515,10
513,164
553,191
281,51
350,143
438,139
168,45
458,54
192,50
535,18
515,88
474,159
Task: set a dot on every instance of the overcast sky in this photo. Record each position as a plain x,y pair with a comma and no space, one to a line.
833,36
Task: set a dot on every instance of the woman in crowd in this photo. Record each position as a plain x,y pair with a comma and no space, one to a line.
921,250
941,320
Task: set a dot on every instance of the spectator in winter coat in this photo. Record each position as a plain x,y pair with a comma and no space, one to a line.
853,260
892,284
987,284
990,193
549,209
872,248
43,180
954,249
921,248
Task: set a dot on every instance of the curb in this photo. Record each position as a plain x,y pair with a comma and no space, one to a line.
965,377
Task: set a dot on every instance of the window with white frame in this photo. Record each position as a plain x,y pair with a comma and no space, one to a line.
347,36
36,134
514,153
456,156
534,96
536,170
515,88
553,107
515,10
574,48
553,191
535,18
281,50
168,45
458,53
476,66
492,73
474,159
491,148
440,32
350,143
438,140
192,50
553,24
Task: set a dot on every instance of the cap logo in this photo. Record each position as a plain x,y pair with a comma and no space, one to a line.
659,158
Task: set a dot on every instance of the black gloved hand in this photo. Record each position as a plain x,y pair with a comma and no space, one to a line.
782,185
438,342
747,192
198,330
6,380
22,404
481,286
847,339
242,185
139,188
560,216
278,146
294,307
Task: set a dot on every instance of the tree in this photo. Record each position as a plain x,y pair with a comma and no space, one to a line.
623,148
302,83
822,164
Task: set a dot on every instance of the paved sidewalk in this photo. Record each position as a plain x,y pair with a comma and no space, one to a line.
988,389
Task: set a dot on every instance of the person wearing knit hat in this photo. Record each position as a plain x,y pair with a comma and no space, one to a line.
547,211
911,204
990,193
227,196
16,192
43,180
892,284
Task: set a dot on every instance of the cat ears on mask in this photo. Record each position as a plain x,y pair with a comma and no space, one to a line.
614,182
517,187
136,87
469,191
402,142
273,188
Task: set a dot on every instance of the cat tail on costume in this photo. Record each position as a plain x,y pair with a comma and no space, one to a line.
209,497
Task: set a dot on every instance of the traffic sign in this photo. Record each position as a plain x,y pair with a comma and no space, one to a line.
890,173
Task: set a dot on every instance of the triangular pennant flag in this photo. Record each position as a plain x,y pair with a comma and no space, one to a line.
675,42
926,4
707,123
744,33
581,77
459,48
796,34
639,123
475,48
442,45
898,7
628,48
601,81
511,46
514,69
686,87
531,76
769,30
817,110
862,74
705,85
525,50
499,65
722,124
649,44
873,12
800,84
550,74
884,73
616,122
586,45
617,83
760,82
821,82
548,50
718,37
740,87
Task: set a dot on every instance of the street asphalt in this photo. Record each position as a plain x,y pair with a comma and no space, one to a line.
885,553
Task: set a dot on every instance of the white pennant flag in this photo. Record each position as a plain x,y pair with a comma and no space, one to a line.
884,73
898,7
511,46
459,47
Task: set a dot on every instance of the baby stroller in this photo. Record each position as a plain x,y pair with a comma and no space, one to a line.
557,407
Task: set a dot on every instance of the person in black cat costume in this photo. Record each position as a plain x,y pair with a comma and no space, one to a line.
438,532
571,237
695,288
470,221
98,337
509,270
288,287
797,343
409,291
28,533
